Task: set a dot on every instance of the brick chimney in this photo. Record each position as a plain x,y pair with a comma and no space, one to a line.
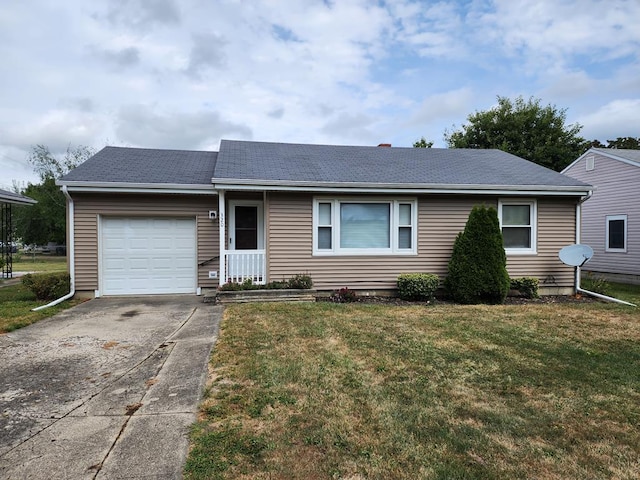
384,145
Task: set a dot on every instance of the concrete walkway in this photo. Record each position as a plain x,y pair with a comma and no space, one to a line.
105,390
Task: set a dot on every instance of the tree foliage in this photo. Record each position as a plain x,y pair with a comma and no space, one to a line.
422,143
629,143
47,165
45,221
524,128
478,266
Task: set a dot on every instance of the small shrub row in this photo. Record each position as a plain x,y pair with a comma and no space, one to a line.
417,286
47,286
526,286
297,282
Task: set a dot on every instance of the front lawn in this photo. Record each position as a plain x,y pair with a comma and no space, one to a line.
16,302
39,263
314,391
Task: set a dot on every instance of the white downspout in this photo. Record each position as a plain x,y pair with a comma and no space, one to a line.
578,274
222,237
70,252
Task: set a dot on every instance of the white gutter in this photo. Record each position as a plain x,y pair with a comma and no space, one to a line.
578,274
70,253
75,185
382,189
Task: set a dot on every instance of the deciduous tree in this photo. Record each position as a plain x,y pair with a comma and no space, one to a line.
46,221
524,128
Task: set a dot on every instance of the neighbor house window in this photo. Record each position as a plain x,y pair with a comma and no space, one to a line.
518,223
364,227
616,233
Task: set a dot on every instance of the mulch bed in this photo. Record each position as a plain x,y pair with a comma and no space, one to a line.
511,300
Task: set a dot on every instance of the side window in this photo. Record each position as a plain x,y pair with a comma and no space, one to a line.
518,221
616,240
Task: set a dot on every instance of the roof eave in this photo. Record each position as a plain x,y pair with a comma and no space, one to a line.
17,200
124,187
356,187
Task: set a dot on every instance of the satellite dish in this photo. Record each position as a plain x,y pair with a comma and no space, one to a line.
576,255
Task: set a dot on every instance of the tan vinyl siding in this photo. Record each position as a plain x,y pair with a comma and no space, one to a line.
556,229
617,192
89,206
440,218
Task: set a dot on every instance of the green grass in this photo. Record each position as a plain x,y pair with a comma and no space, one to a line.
368,391
39,263
16,303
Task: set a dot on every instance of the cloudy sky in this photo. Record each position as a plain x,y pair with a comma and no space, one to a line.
186,73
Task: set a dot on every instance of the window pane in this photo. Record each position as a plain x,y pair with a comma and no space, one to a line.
616,234
516,237
324,238
365,225
324,214
405,214
404,237
516,215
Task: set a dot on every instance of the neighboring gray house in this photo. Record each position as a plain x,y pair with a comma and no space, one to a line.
145,221
611,217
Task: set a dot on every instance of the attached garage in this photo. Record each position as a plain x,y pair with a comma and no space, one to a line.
147,255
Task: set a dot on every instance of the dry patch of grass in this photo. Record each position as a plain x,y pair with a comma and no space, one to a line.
321,390
16,302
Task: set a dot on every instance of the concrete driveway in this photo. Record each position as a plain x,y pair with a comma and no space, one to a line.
105,390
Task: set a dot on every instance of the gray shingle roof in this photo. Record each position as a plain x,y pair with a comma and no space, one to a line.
290,163
10,197
632,155
145,165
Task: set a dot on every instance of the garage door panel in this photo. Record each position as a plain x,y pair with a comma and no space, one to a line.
148,255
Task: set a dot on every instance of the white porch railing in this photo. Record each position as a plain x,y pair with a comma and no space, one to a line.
244,264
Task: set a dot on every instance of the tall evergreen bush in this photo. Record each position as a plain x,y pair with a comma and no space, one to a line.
478,266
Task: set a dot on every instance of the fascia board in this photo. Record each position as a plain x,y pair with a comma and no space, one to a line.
17,201
414,189
113,187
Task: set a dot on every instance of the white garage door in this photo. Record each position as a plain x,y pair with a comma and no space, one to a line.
148,255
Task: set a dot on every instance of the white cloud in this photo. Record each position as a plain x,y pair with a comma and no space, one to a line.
445,105
141,125
618,118
56,129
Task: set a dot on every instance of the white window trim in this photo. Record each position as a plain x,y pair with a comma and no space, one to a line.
394,227
533,210
606,226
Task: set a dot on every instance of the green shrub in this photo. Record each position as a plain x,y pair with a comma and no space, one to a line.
478,266
230,287
596,284
48,286
277,285
300,281
527,286
343,295
417,286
